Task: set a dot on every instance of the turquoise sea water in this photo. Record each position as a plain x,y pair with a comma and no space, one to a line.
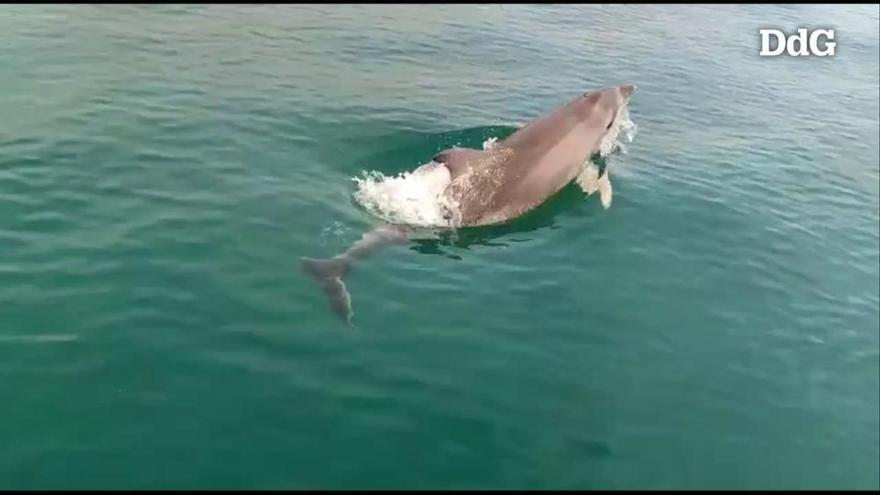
163,169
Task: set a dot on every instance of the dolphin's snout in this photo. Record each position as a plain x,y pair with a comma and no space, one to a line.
627,89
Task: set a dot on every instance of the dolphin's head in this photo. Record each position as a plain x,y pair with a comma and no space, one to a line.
626,90
601,108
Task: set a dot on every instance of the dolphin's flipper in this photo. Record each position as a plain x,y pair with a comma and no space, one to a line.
459,160
605,191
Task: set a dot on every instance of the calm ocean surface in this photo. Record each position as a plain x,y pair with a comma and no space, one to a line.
163,169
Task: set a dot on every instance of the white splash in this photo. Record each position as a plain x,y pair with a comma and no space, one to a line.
624,129
412,198
416,198
590,182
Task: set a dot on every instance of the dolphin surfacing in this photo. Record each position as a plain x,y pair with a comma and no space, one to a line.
500,183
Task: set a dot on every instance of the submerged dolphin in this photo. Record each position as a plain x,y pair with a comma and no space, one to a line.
500,183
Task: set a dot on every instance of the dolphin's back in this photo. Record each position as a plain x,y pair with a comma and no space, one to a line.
518,173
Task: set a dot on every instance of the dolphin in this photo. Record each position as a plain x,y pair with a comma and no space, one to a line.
500,183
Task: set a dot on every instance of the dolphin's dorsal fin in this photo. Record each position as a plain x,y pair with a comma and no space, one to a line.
459,160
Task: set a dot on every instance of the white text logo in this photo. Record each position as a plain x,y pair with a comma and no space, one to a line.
802,44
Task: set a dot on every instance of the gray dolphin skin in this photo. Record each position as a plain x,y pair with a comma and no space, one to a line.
498,184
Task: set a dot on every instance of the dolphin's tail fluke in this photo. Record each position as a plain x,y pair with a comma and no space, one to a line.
329,272
325,268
